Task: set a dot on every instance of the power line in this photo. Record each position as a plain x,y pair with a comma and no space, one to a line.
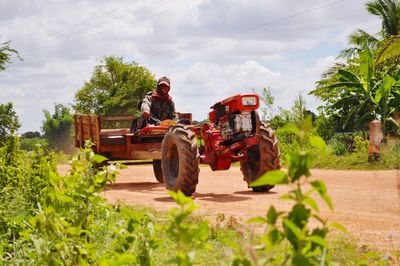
77,24
108,29
84,29
232,33
247,29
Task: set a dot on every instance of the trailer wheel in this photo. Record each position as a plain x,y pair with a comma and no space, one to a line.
261,158
158,171
180,160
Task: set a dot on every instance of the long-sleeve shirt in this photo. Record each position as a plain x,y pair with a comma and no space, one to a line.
160,107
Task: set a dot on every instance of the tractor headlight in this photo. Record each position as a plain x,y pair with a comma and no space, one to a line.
249,101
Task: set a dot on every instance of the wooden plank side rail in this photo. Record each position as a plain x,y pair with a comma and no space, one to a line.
86,127
114,142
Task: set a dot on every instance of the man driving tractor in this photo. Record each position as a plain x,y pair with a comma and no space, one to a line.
157,105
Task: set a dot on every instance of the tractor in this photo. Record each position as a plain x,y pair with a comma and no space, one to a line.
235,133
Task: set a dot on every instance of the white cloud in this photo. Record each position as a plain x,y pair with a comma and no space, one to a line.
62,41
322,65
201,85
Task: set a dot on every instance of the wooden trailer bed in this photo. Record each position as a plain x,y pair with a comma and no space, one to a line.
120,143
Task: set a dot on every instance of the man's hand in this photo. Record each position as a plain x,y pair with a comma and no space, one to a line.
146,114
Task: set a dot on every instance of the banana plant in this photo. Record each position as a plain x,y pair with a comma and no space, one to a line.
387,99
363,94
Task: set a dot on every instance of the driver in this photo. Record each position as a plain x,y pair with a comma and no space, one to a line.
157,105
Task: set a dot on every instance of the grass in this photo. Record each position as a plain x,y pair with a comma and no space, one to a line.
229,237
358,160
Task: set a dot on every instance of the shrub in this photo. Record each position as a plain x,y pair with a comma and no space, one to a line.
308,245
29,144
360,144
323,127
338,147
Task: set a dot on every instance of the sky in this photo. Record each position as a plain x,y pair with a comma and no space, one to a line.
210,49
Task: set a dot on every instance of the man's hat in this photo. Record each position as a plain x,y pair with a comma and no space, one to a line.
163,80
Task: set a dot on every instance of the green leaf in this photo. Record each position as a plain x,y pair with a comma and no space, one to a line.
306,125
124,259
299,215
271,178
366,67
180,198
344,85
318,143
259,220
348,76
318,240
294,229
274,236
272,215
290,129
385,88
312,203
97,158
300,259
320,186
362,263
299,164
339,227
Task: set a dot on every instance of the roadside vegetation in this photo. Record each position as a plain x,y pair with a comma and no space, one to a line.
63,220
362,86
48,219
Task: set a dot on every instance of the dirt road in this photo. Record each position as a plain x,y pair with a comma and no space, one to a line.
366,202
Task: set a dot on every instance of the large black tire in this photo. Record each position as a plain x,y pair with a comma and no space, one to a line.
158,171
180,160
261,158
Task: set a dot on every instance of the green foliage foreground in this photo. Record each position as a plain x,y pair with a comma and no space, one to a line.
48,219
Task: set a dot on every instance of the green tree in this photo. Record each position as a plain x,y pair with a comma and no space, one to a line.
267,104
358,40
323,127
114,89
389,12
6,53
31,134
57,128
388,54
9,123
358,93
386,44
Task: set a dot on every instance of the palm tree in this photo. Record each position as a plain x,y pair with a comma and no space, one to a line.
389,12
358,40
388,53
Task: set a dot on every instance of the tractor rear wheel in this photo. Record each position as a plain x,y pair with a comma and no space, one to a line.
158,171
180,160
262,157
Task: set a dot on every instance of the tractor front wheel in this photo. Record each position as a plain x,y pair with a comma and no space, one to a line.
180,160
261,158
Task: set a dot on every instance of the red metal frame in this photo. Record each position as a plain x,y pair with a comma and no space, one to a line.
220,157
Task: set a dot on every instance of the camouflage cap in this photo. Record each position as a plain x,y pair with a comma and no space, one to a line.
163,80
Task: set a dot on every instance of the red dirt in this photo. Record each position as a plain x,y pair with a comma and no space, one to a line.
366,202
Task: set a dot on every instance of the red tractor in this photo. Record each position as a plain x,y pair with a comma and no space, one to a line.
234,134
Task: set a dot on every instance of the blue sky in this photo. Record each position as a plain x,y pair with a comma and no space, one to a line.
61,42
